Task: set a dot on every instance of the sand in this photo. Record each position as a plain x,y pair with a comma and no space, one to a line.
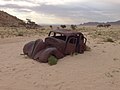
98,69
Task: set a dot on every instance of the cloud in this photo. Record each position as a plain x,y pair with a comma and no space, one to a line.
18,2
63,11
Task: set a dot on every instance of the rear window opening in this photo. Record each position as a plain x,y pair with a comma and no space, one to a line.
58,36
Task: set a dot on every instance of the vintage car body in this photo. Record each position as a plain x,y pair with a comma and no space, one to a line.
59,43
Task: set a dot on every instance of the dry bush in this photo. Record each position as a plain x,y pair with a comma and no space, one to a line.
109,40
88,48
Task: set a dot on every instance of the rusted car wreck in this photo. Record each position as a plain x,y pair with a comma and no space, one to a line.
59,43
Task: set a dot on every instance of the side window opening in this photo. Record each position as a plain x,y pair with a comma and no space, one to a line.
51,34
60,36
73,40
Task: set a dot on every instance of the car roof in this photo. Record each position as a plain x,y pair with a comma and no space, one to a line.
66,32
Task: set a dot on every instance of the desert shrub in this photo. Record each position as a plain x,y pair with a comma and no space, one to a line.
51,26
73,27
43,29
2,36
20,34
73,53
99,33
87,48
63,26
52,60
109,40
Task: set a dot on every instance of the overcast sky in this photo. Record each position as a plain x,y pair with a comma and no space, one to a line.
63,11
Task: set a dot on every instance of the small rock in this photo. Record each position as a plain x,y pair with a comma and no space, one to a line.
115,59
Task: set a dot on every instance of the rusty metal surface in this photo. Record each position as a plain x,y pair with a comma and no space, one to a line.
57,43
28,48
38,46
66,32
67,43
43,55
71,48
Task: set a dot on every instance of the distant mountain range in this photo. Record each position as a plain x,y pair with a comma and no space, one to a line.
9,20
96,23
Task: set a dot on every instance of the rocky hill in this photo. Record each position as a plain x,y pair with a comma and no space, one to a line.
96,23
9,20
114,23
90,24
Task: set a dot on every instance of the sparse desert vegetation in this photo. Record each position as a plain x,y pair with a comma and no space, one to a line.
104,34
7,32
52,60
98,66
